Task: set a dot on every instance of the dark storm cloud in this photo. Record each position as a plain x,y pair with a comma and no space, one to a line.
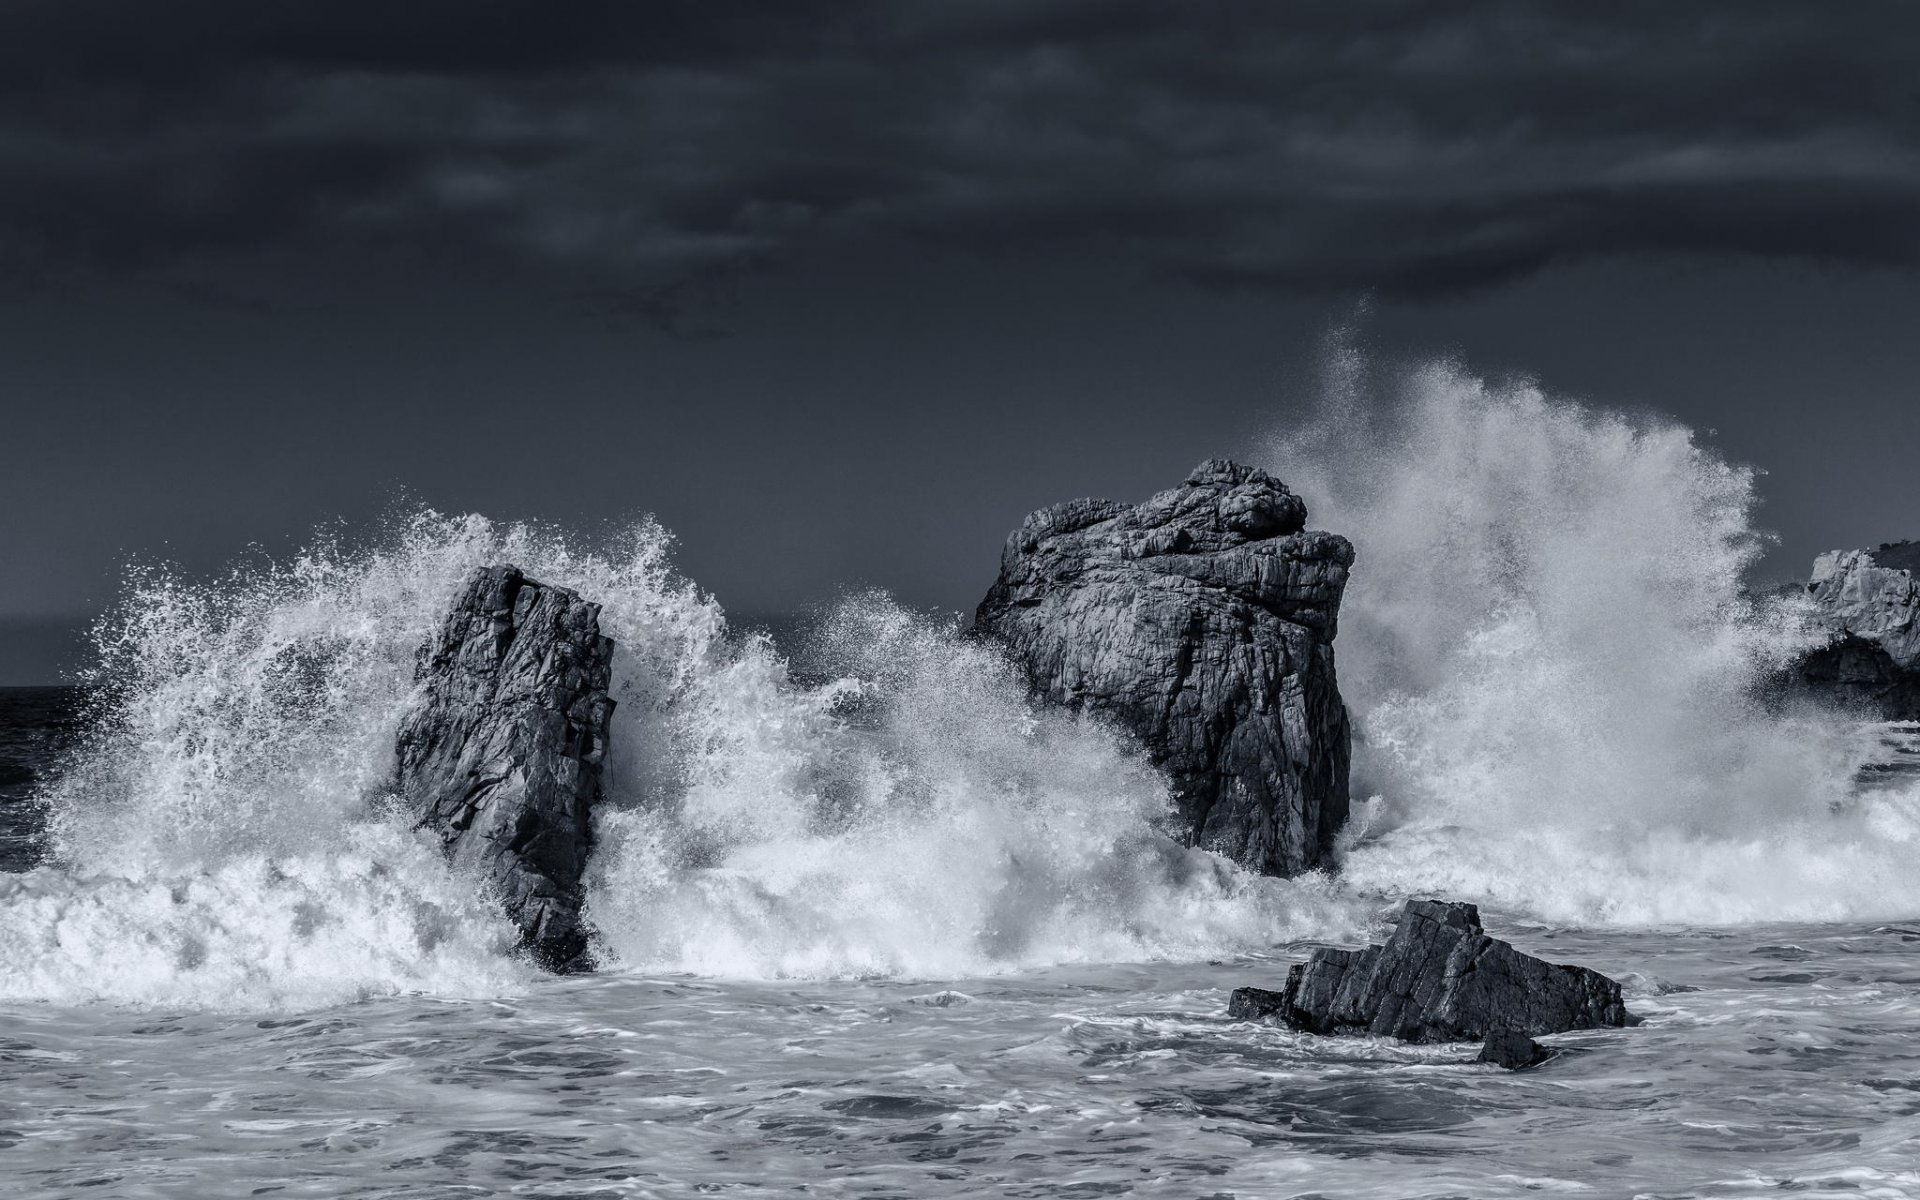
638,149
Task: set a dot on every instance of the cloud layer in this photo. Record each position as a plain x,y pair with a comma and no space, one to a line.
641,148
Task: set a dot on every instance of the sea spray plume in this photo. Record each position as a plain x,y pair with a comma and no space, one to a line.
1552,661
224,839
916,815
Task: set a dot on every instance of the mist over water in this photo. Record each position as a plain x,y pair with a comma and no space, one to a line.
1546,644
915,816
226,837
1554,663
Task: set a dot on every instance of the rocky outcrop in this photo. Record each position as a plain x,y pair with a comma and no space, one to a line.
1202,622
502,757
1439,978
1868,604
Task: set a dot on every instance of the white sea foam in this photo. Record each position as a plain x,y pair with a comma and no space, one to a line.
1546,644
1553,663
226,839
918,816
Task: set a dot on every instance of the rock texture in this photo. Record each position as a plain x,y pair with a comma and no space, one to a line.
1513,1050
1202,622
503,756
1868,601
1440,978
1255,1004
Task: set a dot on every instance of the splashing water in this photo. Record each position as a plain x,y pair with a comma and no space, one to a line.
226,838
1546,643
917,816
1553,665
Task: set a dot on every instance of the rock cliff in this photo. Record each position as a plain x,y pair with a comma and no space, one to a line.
1868,602
502,758
1202,622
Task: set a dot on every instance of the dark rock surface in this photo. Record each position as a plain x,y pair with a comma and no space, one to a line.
1202,622
502,757
1254,1004
1439,978
1868,604
1513,1050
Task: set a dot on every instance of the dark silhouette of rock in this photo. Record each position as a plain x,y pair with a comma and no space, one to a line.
1439,978
1868,603
1513,1050
502,757
1254,1004
1202,622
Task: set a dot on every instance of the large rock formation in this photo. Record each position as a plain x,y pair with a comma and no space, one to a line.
1439,978
502,758
1201,621
1868,603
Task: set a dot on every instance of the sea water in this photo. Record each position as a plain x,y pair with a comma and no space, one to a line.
871,924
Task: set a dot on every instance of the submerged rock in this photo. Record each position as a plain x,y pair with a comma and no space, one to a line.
502,758
1513,1050
1202,622
1868,602
1440,978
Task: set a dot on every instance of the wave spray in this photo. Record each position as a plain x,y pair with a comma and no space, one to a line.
1554,666
227,838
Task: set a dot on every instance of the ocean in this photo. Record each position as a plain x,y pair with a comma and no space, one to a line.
871,924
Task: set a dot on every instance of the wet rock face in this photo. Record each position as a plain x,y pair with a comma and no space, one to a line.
1255,1004
1439,978
1202,622
1512,1050
502,758
1869,603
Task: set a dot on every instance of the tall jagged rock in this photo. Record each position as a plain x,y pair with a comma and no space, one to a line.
1439,978
503,756
1202,622
1868,602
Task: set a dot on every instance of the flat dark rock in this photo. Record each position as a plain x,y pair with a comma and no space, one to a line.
503,756
1202,623
1440,978
1254,1004
1513,1050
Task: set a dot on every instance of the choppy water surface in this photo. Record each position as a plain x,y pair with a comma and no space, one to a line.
1793,1069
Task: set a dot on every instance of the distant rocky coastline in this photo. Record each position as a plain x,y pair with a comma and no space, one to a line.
1867,602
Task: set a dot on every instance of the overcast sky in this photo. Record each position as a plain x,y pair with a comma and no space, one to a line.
841,291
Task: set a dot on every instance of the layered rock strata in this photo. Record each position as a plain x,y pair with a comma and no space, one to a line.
1201,622
502,757
1438,978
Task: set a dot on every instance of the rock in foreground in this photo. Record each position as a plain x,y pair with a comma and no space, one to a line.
502,758
1439,978
1513,1050
1202,622
1868,602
